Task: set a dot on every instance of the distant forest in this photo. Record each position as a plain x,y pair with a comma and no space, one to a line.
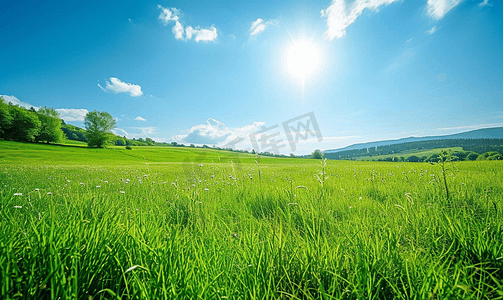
478,146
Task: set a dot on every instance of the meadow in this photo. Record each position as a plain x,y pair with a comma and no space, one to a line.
181,223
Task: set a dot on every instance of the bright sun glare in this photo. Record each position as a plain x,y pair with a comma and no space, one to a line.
303,58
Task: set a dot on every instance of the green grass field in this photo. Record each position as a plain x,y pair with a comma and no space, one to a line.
76,154
182,223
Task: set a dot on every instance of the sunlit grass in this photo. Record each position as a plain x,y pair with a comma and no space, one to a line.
221,230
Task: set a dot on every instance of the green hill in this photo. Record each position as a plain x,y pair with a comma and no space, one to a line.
420,149
75,154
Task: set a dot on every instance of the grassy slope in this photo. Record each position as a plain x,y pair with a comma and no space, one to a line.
113,225
74,143
30,153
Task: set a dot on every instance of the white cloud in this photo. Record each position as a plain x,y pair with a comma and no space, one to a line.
118,86
120,132
485,2
216,133
432,30
438,8
257,27
140,119
168,15
204,35
178,31
213,132
341,13
72,114
14,100
260,25
173,15
145,132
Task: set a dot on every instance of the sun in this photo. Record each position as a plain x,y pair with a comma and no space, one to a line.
302,59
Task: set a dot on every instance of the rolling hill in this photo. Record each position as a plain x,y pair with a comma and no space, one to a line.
486,133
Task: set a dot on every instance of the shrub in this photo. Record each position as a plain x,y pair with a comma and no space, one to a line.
491,155
413,158
472,156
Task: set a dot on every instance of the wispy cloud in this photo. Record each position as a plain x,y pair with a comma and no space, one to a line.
144,132
117,86
170,15
432,30
120,132
402,59
260,25
476,126
103,89
140,119
437,9
72,114
485,2
342,13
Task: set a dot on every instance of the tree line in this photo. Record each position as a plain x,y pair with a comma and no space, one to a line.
29,125
44,125
456,156
472,145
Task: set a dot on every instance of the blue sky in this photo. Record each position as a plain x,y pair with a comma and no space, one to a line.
210,72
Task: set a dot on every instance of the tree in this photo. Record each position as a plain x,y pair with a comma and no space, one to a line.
150,142
413,158
25,125
98,124
5,118
317,154
50,131
120,142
